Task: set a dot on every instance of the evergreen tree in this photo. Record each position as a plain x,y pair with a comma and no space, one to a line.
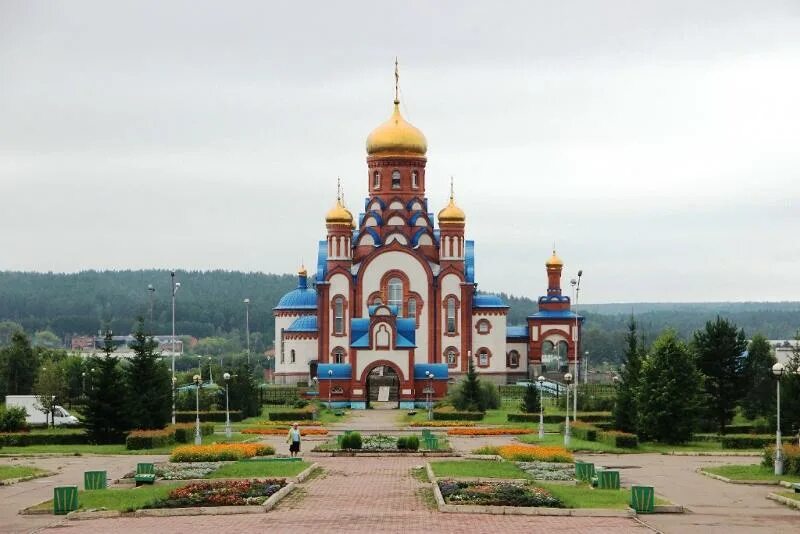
718,353
18,365
669,391
531,401
759,385
469,392
106,415
625,410
790,393
148,384
243,390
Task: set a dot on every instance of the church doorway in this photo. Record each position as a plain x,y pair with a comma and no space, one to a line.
383,387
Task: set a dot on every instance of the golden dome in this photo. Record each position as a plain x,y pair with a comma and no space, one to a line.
554,261
302,271
452,213
338,214
396,137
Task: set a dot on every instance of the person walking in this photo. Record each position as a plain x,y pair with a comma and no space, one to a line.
293,439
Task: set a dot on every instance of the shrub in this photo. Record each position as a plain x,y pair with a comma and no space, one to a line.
488,449
490,397
441,423
749,441
351,440
408,443
583,431
487,431
207,417
300,403
184,432
25,439
531,401
791,459
12,419
449,415
621,440
219,452
149,439
293,415
533,453
586,417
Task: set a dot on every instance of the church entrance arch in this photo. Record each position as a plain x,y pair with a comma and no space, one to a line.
383,387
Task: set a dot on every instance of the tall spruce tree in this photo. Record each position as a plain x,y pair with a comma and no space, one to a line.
669,391
469,391
718,350
625,409
106,415
758,384
19,365
148,384
790,393
243,390
531,400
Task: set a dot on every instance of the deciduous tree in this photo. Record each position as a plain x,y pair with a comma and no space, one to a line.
758,383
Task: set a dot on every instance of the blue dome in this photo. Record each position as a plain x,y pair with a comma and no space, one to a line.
306,323
301,298
488,301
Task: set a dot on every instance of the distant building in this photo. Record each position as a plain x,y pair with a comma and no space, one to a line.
93,345
783,348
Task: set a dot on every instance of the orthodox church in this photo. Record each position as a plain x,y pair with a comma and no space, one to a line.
394,315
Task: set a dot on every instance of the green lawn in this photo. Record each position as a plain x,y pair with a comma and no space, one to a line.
749,472
116,499
477,468
110,449
574,443
18,471
250,469
584,496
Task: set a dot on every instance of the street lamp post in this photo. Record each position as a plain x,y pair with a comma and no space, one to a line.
586,368
430,394
330,386
247,326
151,290
576,287
83,387
227,377
541,408
210,375
175,287
778,370
567,381
197,438
200,366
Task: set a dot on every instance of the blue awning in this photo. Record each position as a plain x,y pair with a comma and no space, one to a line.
341,371
439,371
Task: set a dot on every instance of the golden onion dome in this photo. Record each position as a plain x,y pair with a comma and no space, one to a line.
302,271
338,214
452,213
396,137
554,261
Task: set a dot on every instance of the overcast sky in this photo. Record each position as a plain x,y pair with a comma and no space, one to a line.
656,143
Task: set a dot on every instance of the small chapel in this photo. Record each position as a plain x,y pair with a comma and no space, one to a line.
393,314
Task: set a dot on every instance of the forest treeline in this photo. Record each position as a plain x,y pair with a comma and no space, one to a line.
210,304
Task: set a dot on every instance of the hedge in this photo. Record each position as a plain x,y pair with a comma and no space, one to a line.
351,440
748,428
448,415
25,439
408,443
149,439
749,441
292,415
621,440
587,417
278,394
582,430
184,432
217,416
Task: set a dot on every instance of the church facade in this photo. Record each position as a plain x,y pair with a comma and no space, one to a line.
394,315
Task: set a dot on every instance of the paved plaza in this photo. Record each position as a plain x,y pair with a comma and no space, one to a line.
378,494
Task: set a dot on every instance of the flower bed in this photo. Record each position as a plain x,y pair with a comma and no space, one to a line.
287,424
531,453
487,431
219,452
185,470
441,423
548,470
496,494
223,493
283,431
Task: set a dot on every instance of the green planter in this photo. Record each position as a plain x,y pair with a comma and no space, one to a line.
607,479
584,471
65,499
93,480
643,499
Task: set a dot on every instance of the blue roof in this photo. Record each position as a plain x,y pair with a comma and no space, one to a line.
341,371
301,298
322,261
306,323
483,300
560,314
517,331
406,333
439,371
359,333
469,261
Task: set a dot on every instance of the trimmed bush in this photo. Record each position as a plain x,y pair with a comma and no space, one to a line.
184,432
749,441
25,439
408,443
621,440
586,417
149,439
351,440
452,415
12,419
583,431
217,416
293,415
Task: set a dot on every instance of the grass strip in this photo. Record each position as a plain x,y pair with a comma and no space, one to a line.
18,471
477,468
123,500
256,469
750,472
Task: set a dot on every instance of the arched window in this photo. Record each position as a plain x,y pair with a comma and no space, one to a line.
414,180
395,179
396,295
484,326
339,355
513,359
338,315
412,308
451,357
483,358
451,315
291,356
376,180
